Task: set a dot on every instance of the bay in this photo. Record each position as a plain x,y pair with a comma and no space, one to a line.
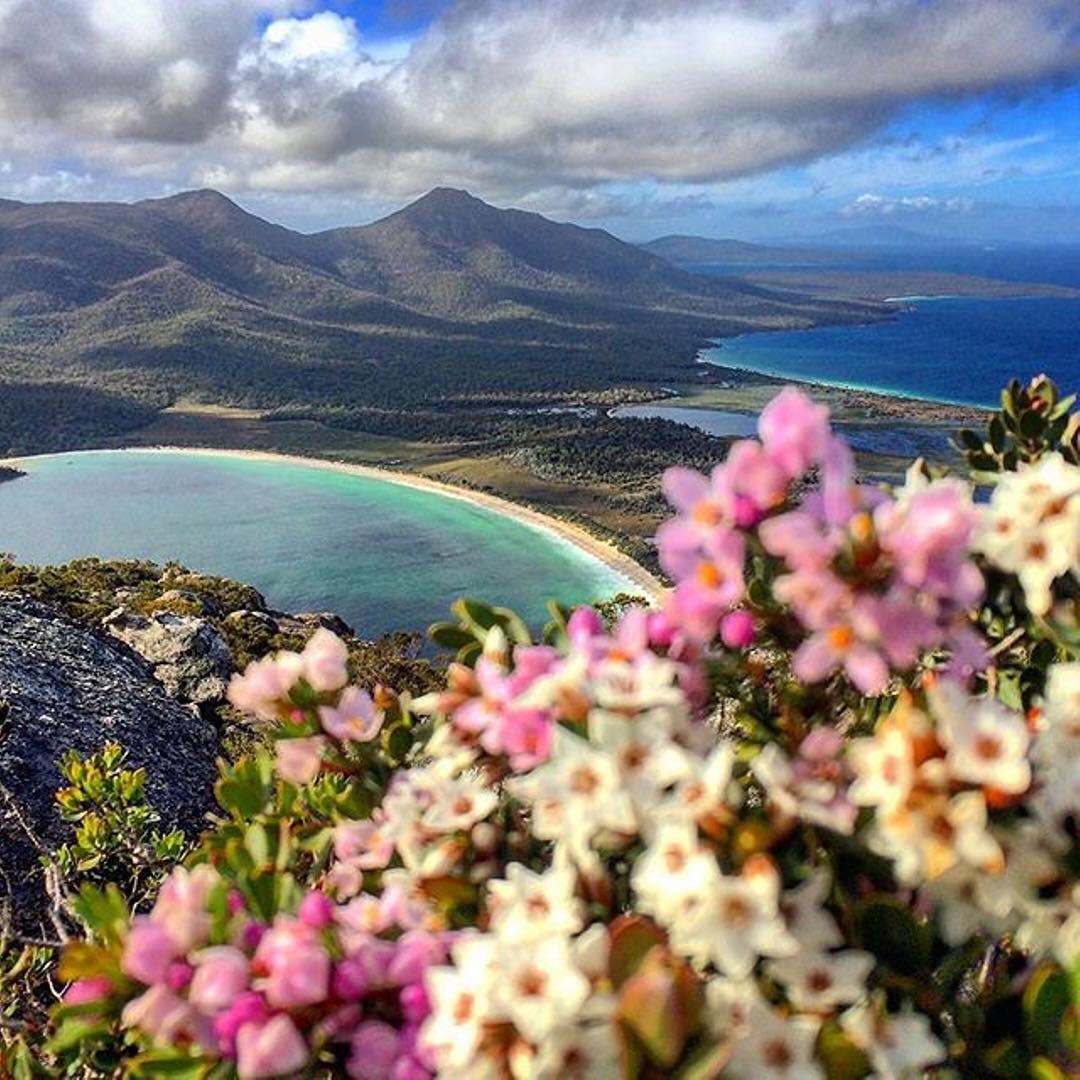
951,349
382,555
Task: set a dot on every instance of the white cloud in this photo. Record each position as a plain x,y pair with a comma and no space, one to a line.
520,99
885,206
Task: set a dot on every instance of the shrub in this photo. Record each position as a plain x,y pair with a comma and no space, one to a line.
813,816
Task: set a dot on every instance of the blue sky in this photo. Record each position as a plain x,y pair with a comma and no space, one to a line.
752,118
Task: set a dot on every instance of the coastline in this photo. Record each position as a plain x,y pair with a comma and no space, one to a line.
636,576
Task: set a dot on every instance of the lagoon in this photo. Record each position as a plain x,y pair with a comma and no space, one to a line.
382,555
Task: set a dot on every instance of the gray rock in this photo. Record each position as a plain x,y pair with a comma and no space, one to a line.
67,686
188,656
307,622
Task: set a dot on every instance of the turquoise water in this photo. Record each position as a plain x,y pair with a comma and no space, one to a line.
952,349
383,556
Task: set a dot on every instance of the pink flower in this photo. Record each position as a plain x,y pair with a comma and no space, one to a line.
167,1018
738,630
296,965
84,991
758,478
298,760
415,1004
265,685
274,1048
793,431
525,735
353,719
324,661
247,1008
350,979
149,949
221,975
798,537
414,952
181,906
375,1048
838,647
368,843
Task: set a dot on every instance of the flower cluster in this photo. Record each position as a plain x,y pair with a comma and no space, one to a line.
646,849
269,997
874,581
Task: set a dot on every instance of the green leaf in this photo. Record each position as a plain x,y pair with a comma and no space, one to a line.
705,1062
514,625
890,930
450,635
650,1005
996,433
1032,424
474,614
969,439
1046,1000
842,1059
632,938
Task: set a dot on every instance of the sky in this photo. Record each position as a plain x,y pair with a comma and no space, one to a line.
759,119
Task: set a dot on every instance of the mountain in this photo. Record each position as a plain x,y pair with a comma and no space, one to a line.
701,251
110,311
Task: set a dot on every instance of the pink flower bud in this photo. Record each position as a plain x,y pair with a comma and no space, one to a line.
324,658
738,630
83,991
375,1048
316,910
415,1004
350,981
247,1008
178,975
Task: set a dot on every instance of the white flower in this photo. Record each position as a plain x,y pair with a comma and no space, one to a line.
965,905
884,768
929,838
461,1002
770,1046
899,1047
986,743
703,789
576,794
805,916
633,686
1052,927
459,804
539,986
647,758
571,1052
818,982
1032,527
729,1004
1058,797
676,878
1059,735
528,906
737,922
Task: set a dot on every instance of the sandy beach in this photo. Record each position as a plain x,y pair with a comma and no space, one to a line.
638,579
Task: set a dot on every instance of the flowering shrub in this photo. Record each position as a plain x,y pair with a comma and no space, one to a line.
815,815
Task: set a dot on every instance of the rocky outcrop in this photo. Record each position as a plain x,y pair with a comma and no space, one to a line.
188,656
67,686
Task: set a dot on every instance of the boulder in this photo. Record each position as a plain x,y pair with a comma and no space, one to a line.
188,656
66,686
307,622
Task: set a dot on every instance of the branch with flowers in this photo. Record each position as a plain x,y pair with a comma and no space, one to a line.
815,815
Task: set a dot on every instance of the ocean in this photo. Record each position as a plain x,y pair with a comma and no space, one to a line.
383,556
954,349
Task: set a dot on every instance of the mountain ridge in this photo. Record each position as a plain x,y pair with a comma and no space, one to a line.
446,300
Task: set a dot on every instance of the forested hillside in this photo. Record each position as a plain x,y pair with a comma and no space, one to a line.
429,323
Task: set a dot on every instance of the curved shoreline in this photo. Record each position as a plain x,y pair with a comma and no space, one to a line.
636,576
